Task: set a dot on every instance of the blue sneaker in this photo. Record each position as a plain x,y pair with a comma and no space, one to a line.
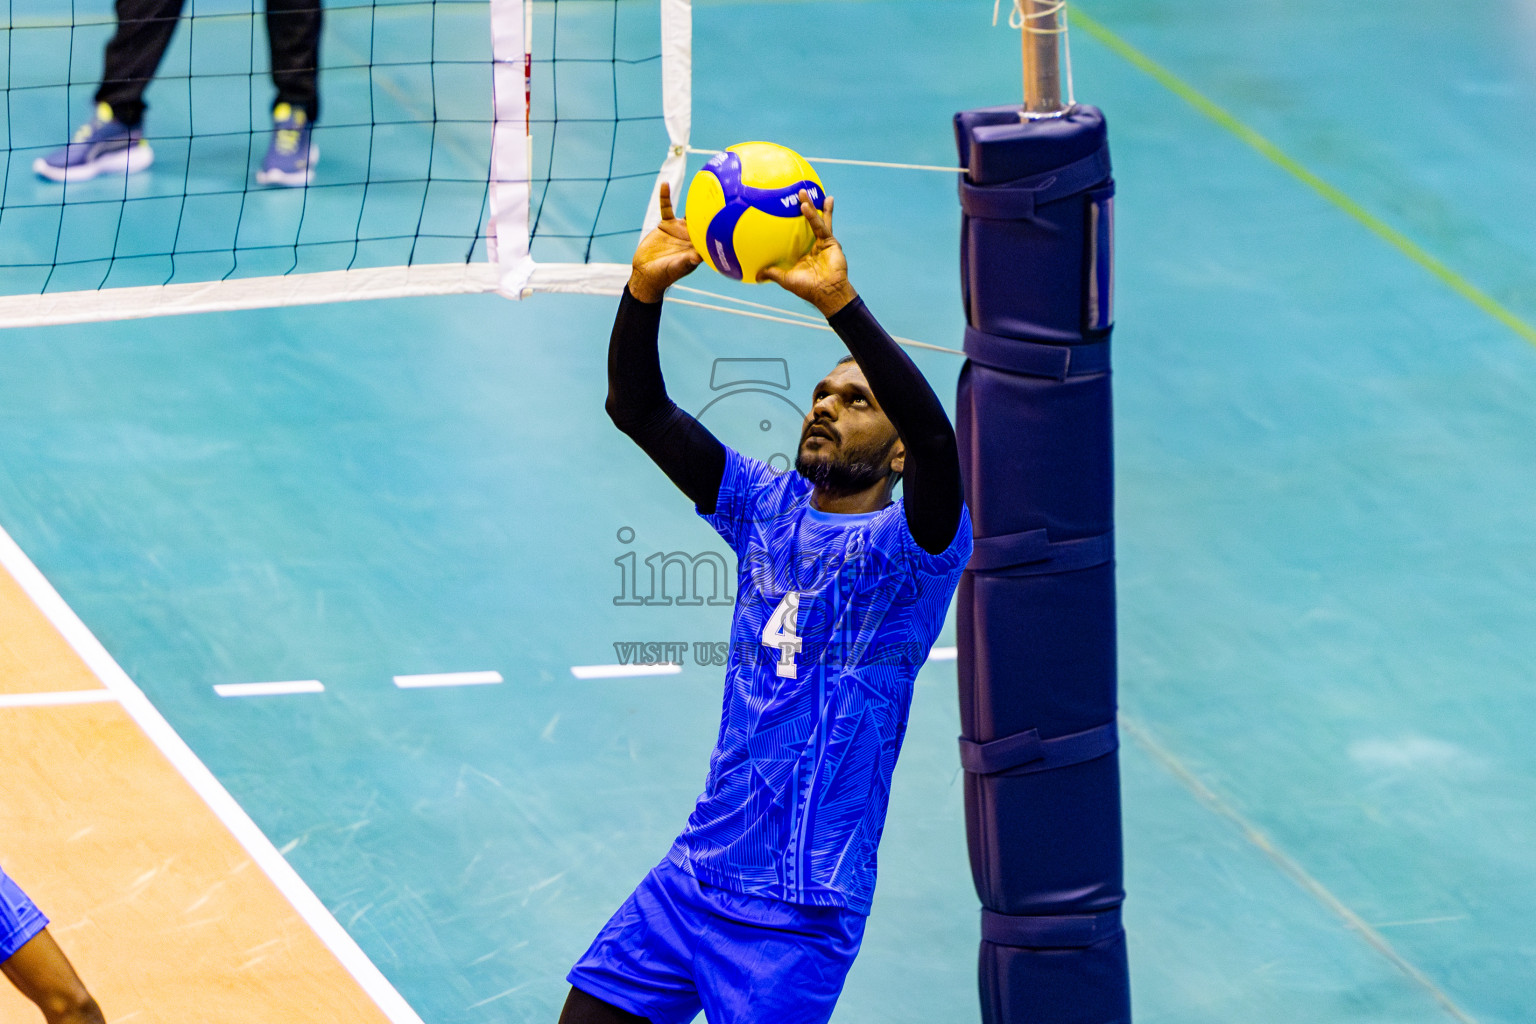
292,156
103,144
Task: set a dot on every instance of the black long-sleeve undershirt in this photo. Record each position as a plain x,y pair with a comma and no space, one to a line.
694,459
638,405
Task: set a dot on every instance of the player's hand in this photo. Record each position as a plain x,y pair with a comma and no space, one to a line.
664,257
821,275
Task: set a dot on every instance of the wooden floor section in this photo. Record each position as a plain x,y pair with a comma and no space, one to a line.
164,914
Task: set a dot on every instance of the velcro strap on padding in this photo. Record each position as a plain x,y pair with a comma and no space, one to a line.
1063,931
1057,362
1025,752
1017,200
1035,549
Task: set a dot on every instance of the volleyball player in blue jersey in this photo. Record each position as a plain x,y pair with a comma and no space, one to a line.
757,911
36,965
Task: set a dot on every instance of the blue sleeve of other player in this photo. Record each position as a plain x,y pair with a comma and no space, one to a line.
20,920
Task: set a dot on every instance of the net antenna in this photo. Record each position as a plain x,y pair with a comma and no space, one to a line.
1047,57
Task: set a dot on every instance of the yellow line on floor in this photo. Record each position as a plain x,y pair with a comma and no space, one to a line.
1399,241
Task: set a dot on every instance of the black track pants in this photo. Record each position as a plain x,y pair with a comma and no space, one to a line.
144,30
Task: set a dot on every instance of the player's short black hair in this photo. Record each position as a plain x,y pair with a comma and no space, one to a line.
846,359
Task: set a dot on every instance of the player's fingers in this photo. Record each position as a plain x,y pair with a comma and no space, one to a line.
826,215
679,267
666,201
817,221
773,274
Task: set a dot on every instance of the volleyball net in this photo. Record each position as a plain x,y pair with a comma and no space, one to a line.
465,146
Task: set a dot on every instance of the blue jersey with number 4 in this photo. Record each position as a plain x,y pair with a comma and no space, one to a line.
834,616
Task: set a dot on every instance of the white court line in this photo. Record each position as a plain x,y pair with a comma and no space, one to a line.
942,654
43,700
269,689
175,749
448,679
620,671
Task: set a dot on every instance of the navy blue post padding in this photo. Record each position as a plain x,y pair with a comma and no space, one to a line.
1021,985
1027,752
1051,841
1026,276
1036,652
1035,609
1057,362
1049,445
1017,200
1059,931
997,147
1032,551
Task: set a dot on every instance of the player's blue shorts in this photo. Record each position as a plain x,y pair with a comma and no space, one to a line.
20,920
678,945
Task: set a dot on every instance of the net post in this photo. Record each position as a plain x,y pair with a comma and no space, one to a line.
1035,608
1047,63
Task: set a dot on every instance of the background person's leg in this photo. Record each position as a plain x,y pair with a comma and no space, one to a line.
44,975
293,30
144,29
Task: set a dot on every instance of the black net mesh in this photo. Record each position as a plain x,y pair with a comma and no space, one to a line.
403,134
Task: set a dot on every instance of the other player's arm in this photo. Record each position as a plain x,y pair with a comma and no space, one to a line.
931,475
43,974
637,403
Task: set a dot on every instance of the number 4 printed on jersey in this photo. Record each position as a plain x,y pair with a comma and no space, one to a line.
783,634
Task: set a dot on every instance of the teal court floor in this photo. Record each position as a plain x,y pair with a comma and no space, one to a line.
1326,470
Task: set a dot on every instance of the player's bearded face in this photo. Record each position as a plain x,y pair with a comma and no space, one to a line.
846,444
850,469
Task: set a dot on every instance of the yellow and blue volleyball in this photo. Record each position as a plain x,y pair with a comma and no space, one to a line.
743,209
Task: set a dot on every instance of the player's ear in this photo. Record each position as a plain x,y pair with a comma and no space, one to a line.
898,457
